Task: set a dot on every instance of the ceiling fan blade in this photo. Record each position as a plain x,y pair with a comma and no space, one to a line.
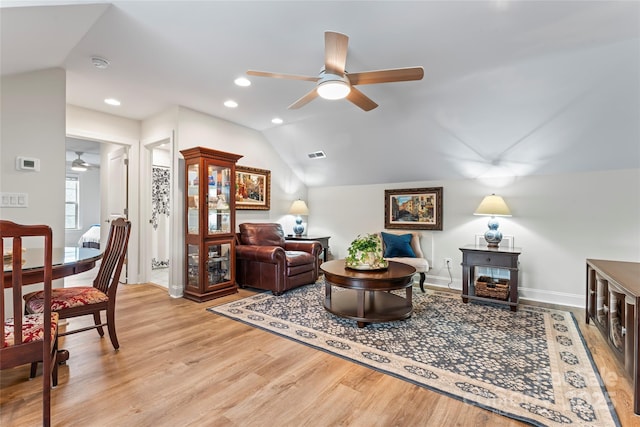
335,52
304,100
282,76
386,76
361,100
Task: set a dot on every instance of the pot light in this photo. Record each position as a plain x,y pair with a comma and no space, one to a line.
112,101
277,121
242,81
230,104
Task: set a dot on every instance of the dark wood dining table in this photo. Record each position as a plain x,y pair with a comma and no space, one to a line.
66,262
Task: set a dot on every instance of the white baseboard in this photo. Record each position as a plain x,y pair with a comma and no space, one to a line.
524,294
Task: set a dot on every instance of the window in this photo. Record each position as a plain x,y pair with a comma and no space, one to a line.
71,200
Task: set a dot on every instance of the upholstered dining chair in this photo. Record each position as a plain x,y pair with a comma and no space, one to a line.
91,300
30,338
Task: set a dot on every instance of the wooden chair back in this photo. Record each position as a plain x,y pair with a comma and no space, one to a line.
114,256
21,350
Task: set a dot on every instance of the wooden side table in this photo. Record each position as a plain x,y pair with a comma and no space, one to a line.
324,241
481,256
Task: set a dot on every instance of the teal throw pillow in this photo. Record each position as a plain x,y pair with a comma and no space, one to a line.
397,246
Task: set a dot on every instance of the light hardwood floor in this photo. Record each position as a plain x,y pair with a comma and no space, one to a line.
179,365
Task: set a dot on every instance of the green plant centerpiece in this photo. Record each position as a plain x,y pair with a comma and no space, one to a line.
365,253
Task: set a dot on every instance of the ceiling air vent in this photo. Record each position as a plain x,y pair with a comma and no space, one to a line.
317,155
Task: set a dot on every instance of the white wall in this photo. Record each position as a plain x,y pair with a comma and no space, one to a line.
33,125
558,221
97,126
199,129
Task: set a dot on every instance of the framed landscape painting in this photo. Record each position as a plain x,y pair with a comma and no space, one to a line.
413,209
253,188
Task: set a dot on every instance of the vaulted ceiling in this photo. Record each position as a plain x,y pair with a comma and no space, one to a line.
510,87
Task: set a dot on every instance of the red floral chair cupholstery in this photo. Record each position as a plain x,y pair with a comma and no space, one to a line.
31,338
92,300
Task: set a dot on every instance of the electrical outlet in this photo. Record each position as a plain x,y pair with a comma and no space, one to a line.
448,262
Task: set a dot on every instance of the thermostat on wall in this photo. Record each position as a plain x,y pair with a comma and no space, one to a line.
27,164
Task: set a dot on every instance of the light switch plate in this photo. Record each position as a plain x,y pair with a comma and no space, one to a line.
14,200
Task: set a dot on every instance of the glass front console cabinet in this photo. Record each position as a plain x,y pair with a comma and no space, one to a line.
209,223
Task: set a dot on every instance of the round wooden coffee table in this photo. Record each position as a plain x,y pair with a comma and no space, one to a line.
367,300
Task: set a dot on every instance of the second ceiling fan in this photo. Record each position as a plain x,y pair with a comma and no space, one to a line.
334,82
80,165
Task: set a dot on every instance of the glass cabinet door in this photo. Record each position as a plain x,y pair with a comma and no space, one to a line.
218,263
218,193
193,186
193,266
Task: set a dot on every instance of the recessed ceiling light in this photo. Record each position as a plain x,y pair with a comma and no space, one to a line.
230,104
112,101
277,121
242,81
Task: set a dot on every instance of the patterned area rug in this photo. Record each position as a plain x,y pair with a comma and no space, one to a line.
531,365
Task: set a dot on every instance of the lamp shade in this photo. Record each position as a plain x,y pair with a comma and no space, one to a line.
299,207
493,205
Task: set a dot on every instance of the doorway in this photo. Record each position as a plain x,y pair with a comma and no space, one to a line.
89,205
82,192
158,196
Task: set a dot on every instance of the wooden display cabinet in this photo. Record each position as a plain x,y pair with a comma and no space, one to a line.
613,305
209,223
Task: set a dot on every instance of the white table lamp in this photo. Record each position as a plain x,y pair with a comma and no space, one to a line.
493,206
298,208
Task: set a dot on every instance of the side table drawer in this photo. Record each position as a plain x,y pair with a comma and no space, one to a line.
490,260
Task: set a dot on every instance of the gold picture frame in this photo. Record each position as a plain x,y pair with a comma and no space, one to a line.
413,209
253,188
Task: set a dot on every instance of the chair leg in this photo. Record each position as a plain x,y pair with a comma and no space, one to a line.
111,326
54,368
422,279
34,369
97,320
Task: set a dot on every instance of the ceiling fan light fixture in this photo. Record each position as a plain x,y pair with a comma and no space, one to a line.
333,89
78,165
333,86
242,81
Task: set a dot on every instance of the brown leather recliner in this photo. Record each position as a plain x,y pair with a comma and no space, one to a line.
265,260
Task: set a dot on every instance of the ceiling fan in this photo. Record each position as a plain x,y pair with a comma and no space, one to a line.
334,82
80,165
